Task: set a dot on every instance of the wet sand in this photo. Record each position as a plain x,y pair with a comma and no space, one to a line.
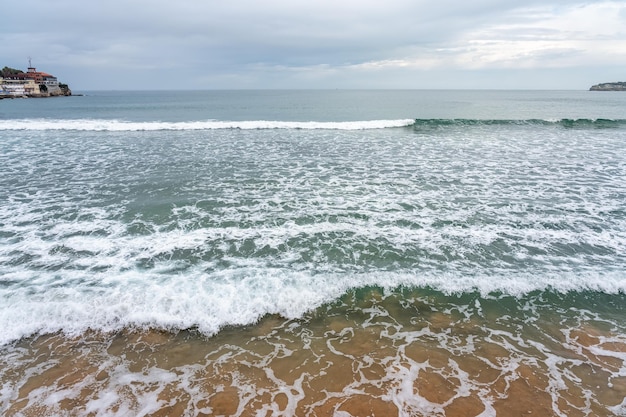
388,357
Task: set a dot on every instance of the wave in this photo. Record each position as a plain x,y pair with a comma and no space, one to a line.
120,125
567,123
418,124
211,301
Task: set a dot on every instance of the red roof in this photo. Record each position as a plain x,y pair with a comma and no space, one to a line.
36,75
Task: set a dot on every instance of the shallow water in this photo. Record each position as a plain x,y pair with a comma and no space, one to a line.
313,253
407,353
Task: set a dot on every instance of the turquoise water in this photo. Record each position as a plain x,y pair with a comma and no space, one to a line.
261,193
201,210
321,105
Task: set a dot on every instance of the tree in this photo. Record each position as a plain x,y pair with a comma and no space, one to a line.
7,72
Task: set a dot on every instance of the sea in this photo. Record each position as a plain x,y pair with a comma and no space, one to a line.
313,253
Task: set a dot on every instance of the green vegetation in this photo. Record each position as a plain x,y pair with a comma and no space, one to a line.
7,72
616,86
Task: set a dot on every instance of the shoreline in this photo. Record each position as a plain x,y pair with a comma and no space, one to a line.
368,354
449,268
39,96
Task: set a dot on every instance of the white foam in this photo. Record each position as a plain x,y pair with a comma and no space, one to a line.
121,125
531,340
77,279
319,212
210,301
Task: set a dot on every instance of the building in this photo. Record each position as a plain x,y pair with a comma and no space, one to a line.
32,83
19,88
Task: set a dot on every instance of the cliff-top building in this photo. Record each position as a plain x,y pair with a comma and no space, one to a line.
32,83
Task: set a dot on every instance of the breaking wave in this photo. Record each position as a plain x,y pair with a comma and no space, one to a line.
566,123
120,125
418,124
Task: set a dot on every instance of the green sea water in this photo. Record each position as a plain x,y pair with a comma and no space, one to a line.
471,224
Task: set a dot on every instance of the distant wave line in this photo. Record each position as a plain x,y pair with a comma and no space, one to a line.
418,124
567,123
117,125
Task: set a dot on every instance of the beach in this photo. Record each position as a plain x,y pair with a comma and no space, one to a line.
367,354
313,253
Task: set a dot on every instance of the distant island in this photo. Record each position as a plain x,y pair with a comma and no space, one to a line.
618,86
16,83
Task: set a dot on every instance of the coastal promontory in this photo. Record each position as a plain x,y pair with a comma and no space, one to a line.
32,83
616,86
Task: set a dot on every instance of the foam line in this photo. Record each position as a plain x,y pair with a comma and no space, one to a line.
120,125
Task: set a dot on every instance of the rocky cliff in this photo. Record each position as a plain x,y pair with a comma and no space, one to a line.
65,89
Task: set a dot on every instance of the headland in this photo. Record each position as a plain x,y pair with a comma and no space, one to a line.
15,83
616,86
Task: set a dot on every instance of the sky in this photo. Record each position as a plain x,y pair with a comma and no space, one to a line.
326,44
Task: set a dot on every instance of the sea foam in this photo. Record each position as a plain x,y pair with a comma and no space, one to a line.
121,126
107,231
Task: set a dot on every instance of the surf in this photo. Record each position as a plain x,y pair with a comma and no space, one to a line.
130,126
597,123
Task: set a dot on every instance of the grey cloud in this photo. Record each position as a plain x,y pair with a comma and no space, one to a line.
238,36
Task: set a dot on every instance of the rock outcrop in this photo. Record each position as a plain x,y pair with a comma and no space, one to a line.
617,86
65,89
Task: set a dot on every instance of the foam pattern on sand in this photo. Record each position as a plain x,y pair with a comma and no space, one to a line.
369,353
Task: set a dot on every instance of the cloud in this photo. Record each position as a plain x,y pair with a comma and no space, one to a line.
529,38
280,43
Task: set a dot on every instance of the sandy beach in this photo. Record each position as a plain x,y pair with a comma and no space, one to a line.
387,358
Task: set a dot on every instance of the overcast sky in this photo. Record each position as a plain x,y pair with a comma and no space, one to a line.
232,44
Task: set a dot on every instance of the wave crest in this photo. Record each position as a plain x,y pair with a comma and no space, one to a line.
418,124
567,123
119,125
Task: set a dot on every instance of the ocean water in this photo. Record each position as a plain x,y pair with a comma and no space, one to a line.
313,253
